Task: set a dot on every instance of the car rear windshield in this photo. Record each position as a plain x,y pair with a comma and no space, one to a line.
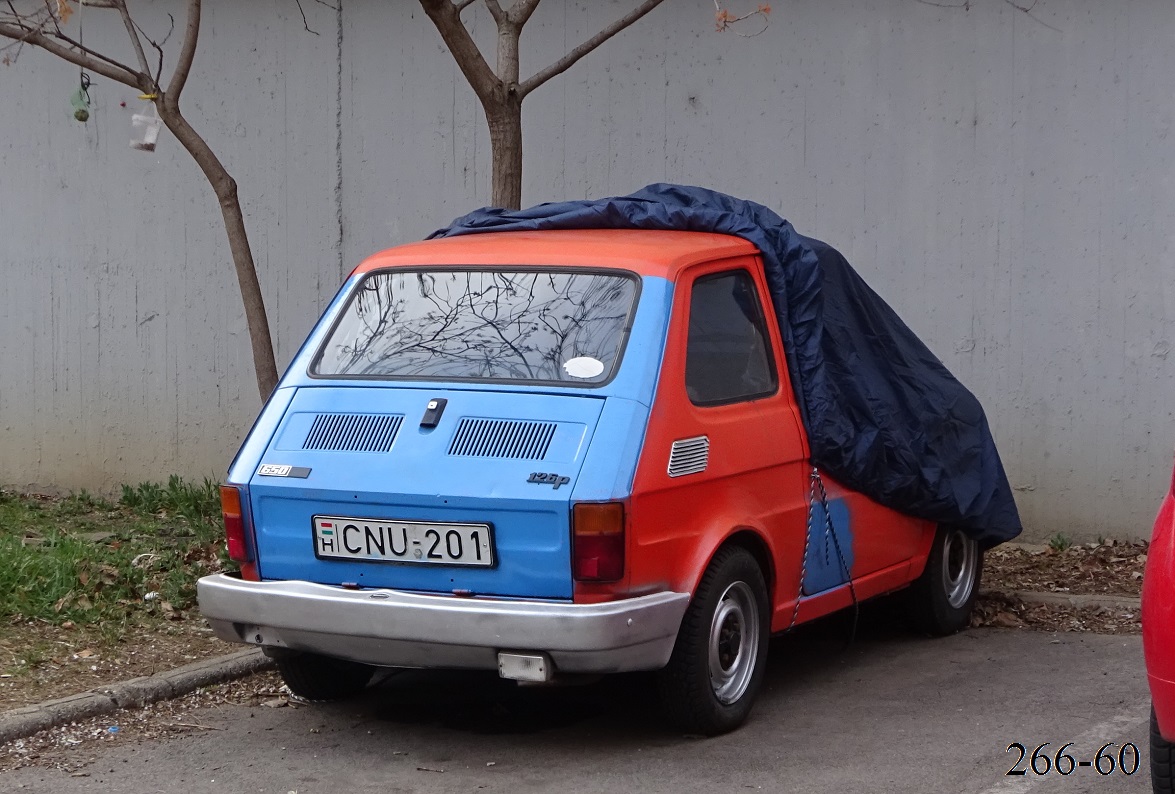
500,325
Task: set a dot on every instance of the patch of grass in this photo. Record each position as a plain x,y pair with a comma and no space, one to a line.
196,504
1059,542
86,560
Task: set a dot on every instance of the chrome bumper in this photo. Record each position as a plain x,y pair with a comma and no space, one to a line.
400,629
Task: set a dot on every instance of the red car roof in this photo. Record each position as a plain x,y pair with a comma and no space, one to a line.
649,253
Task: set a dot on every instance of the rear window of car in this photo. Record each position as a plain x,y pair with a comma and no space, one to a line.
519,325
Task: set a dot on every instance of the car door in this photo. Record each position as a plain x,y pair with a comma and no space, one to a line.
725,451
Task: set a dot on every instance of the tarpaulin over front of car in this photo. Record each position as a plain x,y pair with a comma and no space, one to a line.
883,415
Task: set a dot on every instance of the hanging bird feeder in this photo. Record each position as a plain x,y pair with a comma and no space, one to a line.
145,126
80,100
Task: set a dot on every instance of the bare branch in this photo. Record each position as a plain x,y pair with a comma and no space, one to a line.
305,23
5,58
134,35
59,37
966,6
51,17
496,11
183,65
724,20
75,54
521,11
151,41
446,17
158,46
461,4
79,47
1028,12
568,60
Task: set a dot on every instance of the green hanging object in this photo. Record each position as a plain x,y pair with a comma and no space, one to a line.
81,100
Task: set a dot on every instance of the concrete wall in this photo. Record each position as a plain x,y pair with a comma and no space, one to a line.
1003,179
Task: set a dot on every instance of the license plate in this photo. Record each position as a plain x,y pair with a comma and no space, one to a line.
428,543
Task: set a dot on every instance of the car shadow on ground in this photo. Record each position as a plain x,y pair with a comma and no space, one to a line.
482,703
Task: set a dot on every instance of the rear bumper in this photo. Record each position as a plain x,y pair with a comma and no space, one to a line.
400,629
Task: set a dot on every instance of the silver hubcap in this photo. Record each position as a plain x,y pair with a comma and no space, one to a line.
960,560
734,643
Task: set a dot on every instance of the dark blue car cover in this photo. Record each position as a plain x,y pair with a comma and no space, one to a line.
883,415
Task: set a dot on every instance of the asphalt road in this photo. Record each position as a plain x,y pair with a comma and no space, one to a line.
891,713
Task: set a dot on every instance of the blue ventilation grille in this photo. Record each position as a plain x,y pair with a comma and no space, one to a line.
353,432
502,438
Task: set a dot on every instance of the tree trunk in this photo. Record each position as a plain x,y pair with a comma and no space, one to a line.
225,188
505,124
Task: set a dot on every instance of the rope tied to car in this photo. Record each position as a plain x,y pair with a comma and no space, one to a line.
816,486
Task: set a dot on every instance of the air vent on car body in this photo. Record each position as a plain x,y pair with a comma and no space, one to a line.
689,456
503,438
353,432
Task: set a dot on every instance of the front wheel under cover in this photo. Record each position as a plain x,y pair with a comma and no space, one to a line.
941,599
720,655
315,677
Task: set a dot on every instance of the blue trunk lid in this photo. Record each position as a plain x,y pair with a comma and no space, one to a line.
370,458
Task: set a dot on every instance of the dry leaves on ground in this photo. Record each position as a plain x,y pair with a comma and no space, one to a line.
1110,568
1008,611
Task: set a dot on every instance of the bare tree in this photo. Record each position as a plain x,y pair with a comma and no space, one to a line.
499,89
44,27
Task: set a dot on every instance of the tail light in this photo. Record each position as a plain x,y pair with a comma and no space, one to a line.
598,541
234,531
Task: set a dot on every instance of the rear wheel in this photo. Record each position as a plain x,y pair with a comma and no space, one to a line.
315,677
1162,760
942,598
720,656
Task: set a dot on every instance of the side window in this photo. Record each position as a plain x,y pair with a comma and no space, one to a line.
727,357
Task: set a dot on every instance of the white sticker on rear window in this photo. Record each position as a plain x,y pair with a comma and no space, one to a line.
583,367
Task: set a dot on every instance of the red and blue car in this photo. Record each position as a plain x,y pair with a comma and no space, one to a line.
550,454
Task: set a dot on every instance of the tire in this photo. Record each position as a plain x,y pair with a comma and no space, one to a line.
1162,760
315,677
941,599
704,689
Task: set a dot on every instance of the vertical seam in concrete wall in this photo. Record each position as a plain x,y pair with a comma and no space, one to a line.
339,136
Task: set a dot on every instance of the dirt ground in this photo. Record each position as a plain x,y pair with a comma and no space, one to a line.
39,661
72,747
1111,568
